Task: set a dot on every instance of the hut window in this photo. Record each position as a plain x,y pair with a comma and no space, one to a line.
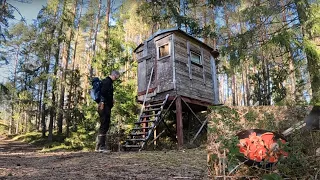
195,57
163,51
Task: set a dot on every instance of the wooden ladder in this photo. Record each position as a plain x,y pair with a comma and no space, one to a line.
146,124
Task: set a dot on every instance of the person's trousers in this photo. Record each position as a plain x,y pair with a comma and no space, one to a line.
105,115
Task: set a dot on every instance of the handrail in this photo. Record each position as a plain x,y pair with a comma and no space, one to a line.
156,121
145,97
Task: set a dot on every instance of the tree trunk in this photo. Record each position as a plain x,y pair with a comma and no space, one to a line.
182,12
88,63
292,76
204,14
72,81
62,86
18,121
244,100
313,58
45,98
269,93
64,73
106,32
95,37
248,93
25,122
13,96
228,89
244,74
55,71
221,89
38,118
233,80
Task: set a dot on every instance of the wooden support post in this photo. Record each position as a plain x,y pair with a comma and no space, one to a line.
155,135
144,125
179,122
189,125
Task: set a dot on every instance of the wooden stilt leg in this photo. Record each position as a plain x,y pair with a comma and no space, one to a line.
179,122
155,135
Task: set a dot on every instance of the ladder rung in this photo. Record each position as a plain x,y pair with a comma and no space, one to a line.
142,128
139,133
154,105
149,110
136,139
132,146
153,109
156,102
140,122
145,116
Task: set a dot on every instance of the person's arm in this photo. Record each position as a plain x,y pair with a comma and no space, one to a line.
105,90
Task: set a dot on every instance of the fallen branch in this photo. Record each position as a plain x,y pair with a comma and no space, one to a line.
237,167
297,126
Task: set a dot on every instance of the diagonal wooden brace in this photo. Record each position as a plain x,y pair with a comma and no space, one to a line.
203,125
193,112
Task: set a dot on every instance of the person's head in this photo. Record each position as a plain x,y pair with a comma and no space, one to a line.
115,75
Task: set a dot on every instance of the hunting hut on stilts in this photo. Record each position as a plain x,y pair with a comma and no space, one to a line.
177,73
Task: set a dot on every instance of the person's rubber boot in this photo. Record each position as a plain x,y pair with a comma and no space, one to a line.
102,144
97,144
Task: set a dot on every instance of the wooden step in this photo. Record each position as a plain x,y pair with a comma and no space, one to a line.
139,134
151,115
153,105
140,128
140,122
132,146
135,139
155,101
150,110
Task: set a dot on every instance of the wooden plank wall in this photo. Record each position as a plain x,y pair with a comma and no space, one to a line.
147,58
164,65
192,80
142,81
198,84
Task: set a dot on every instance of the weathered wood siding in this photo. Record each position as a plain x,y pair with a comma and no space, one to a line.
192,80
141,56
147,56
164,72
142,82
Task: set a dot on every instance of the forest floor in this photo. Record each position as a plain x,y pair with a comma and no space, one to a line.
19,160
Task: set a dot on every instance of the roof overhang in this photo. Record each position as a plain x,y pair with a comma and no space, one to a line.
175,29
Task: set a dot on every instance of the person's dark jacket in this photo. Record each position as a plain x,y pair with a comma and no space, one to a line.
107,91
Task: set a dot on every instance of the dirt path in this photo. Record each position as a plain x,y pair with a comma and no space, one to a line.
21,161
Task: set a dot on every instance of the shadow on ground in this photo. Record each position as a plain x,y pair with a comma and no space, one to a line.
22,161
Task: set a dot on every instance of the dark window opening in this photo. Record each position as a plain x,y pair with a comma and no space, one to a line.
195,58
164,51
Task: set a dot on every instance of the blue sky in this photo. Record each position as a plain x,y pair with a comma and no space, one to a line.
29,11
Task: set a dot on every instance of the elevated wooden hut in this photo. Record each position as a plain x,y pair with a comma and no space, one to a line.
176,67
183,65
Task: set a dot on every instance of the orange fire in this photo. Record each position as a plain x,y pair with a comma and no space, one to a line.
259,148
